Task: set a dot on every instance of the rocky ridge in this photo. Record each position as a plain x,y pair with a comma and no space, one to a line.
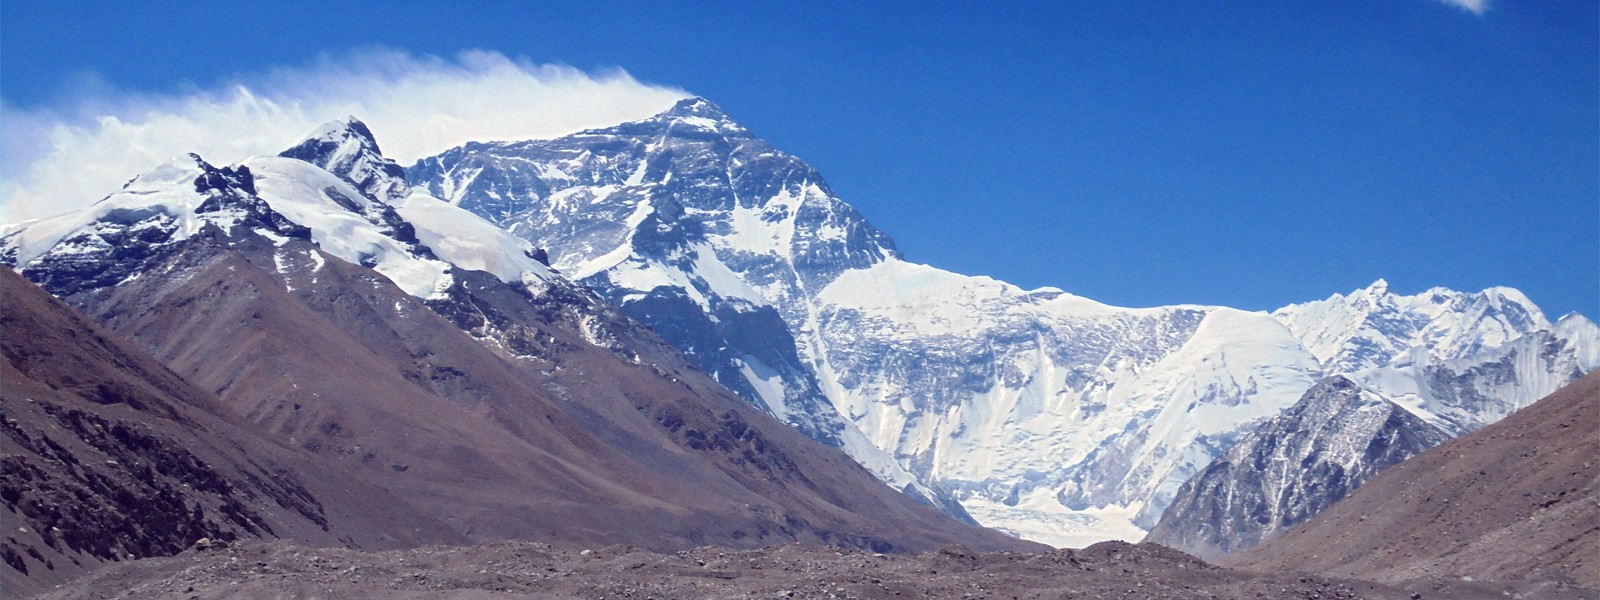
1516,500
1292,467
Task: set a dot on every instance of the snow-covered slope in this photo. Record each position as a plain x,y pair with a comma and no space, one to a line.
1457,360
1372,326
347,151
117,237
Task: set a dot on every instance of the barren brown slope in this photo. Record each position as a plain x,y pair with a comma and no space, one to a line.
1519,499
109,455
577,445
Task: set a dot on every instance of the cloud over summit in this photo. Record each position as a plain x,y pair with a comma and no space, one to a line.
66,157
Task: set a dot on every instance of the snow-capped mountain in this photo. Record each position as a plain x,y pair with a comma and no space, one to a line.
670,219
1516,500
1458,360
123,234
1424,368
1039,412
1048,415
348,314
1051,414
1291,468
1373,326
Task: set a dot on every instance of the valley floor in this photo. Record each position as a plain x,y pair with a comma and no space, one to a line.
529,570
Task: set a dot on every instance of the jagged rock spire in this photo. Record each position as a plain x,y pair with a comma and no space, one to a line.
348,149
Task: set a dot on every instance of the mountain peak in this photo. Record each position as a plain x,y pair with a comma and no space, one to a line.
347,129
348,149
696,113
1573,317
695,106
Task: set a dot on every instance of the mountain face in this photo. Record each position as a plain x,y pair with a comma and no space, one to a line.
109,456
673,220
1518,499
1458,360
1291,468
1043,410
345,313
1435,365
1045,414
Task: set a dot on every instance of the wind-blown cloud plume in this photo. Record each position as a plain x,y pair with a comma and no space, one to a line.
67,157
1477,7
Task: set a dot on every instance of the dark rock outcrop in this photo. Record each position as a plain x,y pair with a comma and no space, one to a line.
1290,468
1517,500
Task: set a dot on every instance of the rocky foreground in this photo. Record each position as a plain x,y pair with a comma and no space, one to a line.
529,570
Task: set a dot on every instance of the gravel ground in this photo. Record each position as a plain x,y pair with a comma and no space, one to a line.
529,570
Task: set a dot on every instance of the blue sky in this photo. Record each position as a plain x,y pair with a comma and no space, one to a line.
1249,154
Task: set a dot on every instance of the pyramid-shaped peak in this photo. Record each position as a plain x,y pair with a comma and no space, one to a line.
1574,317
696,106
338,132
348,149
699,114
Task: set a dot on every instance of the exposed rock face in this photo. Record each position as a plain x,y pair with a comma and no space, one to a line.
1291,468
1519,499
347,148
109,456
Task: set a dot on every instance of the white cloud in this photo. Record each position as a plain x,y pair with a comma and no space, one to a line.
67,157
1477,7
